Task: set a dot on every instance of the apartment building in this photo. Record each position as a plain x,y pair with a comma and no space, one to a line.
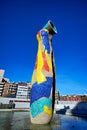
1,74
70,98
22,90
1,88
12,90
5,89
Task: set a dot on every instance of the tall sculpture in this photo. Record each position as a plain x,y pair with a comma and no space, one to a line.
43,79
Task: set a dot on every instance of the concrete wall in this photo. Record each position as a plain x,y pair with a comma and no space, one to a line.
71,105
81,106
19,104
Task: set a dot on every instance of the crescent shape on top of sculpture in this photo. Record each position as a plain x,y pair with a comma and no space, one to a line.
50,27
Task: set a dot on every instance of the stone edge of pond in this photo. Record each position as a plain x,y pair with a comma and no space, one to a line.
14,110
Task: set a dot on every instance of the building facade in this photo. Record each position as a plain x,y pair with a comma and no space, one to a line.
12,90
22,90
29,90
1,88
5,89
1,74
71,98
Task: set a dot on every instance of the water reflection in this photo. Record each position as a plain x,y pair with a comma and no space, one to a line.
5,120
21,121
40,127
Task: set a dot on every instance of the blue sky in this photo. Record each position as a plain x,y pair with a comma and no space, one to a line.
20,20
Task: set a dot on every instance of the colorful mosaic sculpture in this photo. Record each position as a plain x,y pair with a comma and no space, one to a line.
43,78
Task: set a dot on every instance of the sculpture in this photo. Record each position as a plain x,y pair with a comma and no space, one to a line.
43,78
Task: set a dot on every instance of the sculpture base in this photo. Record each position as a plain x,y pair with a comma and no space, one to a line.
42,118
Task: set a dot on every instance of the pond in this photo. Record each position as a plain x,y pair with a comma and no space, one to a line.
21,121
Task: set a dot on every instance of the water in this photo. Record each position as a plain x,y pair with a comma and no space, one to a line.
21,121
